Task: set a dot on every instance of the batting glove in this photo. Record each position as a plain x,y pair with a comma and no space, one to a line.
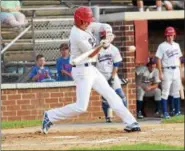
111,81
105,43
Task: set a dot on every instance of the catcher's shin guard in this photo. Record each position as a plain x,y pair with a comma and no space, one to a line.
105,107
122,96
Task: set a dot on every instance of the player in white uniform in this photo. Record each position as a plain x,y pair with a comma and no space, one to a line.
171,100
168,54
86,77
108,61
147,84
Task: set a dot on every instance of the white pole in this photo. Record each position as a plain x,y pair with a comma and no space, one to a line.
13,41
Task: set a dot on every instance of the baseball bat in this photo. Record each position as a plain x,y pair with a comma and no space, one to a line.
86,55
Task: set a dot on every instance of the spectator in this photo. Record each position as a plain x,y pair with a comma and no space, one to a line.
39,72
147,81
140,4
62,64
10,14
176,5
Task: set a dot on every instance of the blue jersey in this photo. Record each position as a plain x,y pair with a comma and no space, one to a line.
63,64
42,73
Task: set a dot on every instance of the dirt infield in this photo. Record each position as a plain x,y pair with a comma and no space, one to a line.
67,137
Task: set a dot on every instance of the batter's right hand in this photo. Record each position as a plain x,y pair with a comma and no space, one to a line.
105,43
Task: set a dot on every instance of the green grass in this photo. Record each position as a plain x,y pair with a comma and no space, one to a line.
19,124
142,146
174,119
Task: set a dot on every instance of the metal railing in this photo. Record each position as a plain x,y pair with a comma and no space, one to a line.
15,39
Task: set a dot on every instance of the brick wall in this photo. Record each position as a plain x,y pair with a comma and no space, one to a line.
27,104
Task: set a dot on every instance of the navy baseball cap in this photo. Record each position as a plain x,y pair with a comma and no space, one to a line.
152,60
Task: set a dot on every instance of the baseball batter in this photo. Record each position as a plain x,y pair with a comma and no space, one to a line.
86,77
168,54
108,61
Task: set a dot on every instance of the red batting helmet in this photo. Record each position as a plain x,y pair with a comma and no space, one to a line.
170,31
83,13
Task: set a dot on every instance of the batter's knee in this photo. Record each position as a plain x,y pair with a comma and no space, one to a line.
157,94
81,108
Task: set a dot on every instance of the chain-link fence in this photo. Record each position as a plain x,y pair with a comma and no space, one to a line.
49,35
46,37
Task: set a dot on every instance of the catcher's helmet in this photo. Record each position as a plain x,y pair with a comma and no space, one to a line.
105,29
170,31
83,13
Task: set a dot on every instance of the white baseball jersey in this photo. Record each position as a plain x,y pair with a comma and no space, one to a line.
106,58
169,54
144,76
81,41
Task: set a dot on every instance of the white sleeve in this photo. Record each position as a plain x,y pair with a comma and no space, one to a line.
159,53
180,52
84,45
94,27
117,56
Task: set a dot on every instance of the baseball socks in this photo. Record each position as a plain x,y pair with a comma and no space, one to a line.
171,104
177,106
164,108
139,109
158,107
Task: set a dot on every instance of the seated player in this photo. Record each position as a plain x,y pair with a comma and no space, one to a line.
147,82
39,72
108,61
62,64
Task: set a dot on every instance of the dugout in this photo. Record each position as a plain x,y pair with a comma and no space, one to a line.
155,37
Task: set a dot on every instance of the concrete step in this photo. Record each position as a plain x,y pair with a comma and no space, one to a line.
27,44
51,12
19,56
50,34
40,3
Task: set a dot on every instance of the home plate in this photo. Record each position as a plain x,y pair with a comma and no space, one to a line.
69,137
